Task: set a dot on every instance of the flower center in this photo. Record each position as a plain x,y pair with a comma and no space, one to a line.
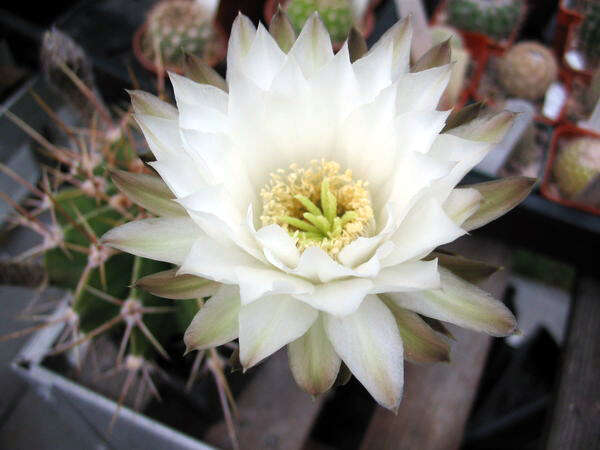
318,205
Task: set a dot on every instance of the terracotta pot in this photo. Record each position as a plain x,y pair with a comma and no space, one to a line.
366,26
586,74
548,187
149,64
565,20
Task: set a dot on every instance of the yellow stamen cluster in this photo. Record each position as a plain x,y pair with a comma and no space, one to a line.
318,205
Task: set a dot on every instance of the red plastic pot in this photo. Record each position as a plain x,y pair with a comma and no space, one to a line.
149,64
366,26
548,188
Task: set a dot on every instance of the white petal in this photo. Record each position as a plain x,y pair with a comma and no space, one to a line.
425,227
401,36
419,129
278,242
192,93
317,265
422,91
313,360
214,200
256,282
408,276
201,117
374,70
162,135
270,323
467,154
461,303
217,321
369,343
264,59
215,261
313,48
162,239
340,297
462,204
180,174
241,38
146,103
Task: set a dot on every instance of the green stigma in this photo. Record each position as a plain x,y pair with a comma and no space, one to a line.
319,223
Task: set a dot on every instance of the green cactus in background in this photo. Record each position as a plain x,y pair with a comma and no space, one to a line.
589,33
577,165
176,27
494,18
96,181
336,15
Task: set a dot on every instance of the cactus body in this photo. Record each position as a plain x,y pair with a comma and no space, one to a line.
494,18
176,27
336,15
527,70
589,33
577,165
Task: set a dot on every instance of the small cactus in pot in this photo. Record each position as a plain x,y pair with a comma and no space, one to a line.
80,197
176,27
577,166
527,70
494,18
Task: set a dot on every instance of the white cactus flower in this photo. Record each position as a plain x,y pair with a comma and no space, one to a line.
313,193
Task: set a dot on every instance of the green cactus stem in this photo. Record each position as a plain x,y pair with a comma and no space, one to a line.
336,15
494,18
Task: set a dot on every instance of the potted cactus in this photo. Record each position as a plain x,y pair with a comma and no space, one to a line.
111,308
491,24
339,16
529,70
175,27
572,175
582,53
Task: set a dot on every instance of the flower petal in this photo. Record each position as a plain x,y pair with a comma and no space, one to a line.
461,303
162,135
256,282
421,343
180,174
312,50
499,197
425,227
313,361
401,36
168,284
146,103
462,204
408,276
369,343
276,241
422,91
192,93
148,191
338,298
241,38
162,239
489,128
264,59
270,323
217,321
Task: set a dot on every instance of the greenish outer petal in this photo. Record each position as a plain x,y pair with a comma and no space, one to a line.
462,204
313,361
468,269
217,321
162,239
461,303
148,191
169,285
421,343
499,197
369,343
